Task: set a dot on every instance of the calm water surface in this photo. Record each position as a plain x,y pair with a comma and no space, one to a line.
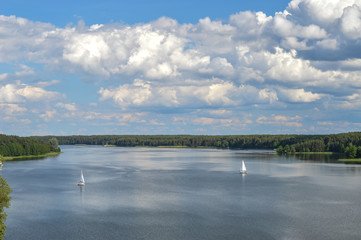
151,193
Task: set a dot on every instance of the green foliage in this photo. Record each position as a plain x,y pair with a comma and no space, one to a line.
293,149
5,198
358,152
54,144
351,151
233,141
20,146
287,149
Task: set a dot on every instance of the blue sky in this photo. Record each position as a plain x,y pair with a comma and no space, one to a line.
180,67
132,12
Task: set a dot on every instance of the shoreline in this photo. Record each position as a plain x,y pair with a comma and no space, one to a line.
30,157
310,153
350,160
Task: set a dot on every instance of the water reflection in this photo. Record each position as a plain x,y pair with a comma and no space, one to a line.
81,191
147,193
324,158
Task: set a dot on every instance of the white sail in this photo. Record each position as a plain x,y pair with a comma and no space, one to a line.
82,177
81,181
243,166
243,169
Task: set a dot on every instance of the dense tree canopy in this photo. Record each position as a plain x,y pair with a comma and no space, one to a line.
21,146
242,141
5,191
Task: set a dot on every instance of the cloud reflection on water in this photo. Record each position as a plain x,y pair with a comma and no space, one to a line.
146,187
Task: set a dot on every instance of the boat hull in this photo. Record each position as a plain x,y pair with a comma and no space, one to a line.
81,184
243,172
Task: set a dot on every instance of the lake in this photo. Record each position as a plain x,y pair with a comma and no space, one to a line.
181,193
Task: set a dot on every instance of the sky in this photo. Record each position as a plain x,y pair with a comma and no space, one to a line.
180,67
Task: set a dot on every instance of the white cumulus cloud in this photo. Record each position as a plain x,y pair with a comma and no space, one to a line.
308,54
136,94
298,95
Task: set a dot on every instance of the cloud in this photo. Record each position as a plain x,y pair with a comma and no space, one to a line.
89,51
340,19
13,120
214,121
24,71
155,122
48,115
351,22
280,120
47,83
8,94
354,64
350,102
166,50
36,93
136,94
26,101
268,95
298,95
11,109
294,43
112,118
19,34
286,68
325,123
220,112
286,28
16,93
308,53
195,93
148,50
331,44
309,10
68,106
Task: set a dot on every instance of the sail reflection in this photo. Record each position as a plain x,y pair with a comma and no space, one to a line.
81,190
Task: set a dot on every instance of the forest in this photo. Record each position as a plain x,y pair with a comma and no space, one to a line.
347,143
5,198
11,146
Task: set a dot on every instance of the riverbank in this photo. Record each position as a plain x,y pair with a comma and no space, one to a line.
31,156
326,153
351,160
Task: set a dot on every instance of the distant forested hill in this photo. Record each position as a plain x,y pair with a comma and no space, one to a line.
342,143
11,146
244,141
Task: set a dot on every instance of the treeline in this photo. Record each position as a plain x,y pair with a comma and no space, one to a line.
229,141
346,143
233,141
11,146
341,143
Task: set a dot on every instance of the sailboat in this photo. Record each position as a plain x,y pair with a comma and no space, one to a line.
243,169
82,181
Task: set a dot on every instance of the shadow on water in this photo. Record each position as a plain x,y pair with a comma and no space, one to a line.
326,158
18,159
314,157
